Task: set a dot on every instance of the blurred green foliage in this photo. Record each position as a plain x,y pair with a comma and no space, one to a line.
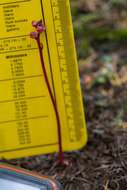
98,22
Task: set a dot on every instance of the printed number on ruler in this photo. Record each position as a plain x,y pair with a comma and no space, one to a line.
27,120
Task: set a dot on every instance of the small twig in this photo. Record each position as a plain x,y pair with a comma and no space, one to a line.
106,185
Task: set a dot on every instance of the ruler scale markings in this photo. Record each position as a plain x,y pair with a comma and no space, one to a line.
71,68
63,67
68,69
58,30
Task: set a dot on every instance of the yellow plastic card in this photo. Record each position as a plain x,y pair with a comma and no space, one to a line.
27,119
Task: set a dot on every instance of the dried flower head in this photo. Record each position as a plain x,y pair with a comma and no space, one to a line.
34,24
40,29
34,35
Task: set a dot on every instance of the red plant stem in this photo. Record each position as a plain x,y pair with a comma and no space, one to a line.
61,155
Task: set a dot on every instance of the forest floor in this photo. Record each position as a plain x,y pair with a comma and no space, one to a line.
102,164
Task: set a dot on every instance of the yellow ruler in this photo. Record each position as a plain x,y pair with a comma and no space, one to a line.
27,120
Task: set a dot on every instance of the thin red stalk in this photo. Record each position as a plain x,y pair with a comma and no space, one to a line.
61,156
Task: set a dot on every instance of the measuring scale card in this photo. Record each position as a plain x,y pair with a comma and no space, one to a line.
27,119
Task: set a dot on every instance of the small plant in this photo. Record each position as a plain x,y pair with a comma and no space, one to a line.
39,29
